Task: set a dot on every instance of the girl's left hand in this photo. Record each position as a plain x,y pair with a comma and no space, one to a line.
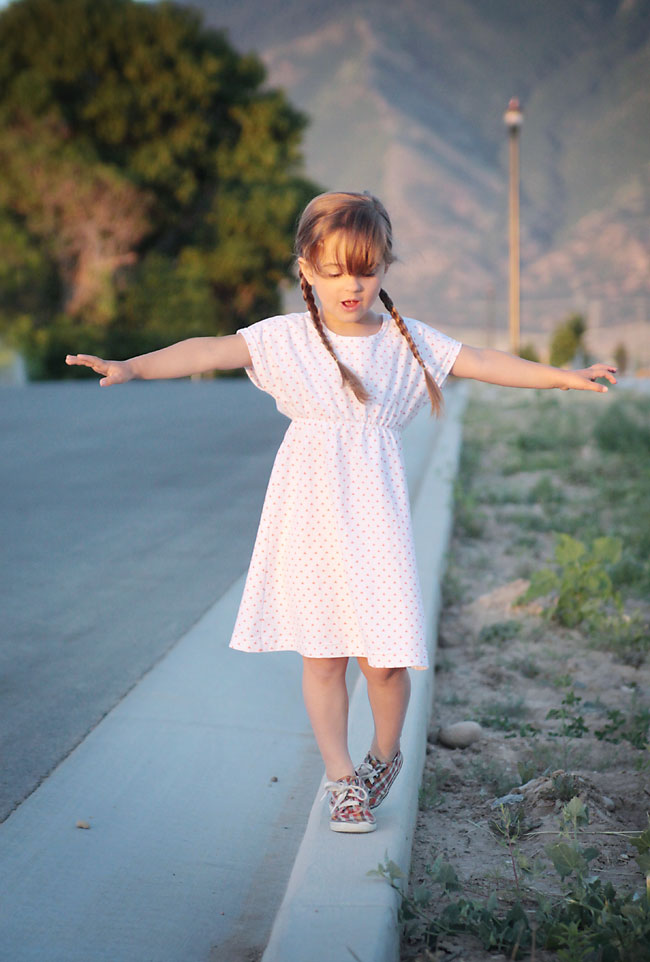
584,380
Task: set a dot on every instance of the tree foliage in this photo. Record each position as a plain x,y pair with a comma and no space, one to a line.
151,183
567,340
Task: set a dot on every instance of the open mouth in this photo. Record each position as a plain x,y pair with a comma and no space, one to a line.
350,304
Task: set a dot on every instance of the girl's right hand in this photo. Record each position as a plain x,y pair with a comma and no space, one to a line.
115,372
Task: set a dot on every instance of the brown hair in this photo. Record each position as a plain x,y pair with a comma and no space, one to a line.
365,225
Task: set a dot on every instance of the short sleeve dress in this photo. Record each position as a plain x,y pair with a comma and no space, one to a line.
333,570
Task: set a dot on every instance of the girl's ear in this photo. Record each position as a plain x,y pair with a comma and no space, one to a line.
306,270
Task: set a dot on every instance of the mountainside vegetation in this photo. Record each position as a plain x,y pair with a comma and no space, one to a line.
150,180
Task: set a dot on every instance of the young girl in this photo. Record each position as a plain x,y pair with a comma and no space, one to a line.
333,571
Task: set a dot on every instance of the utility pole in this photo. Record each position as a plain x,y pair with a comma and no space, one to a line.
513,118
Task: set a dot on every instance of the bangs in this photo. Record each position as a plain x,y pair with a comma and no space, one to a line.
360,244
356,256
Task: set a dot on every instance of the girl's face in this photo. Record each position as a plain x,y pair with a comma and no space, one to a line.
346,299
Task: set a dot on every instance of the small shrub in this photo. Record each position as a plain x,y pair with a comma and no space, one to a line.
529,352
565,786
634,729
567,340
621,357
573,724
581,586
529,768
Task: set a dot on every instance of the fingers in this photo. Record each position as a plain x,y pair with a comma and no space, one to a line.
87,360
99,366
589,376
608,373
604,371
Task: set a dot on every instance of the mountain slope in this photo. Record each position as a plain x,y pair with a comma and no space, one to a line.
406,99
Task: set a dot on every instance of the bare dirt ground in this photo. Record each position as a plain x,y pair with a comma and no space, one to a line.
531,467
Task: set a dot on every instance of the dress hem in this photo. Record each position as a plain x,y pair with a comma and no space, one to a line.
267,651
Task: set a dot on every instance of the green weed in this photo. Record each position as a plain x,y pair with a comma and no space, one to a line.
628,636
468,519
451,699
499,632
527,666
452,590
529,521
565,786
545,492
624,427
633,728
526,541
573,724
506,717
529,768
580,586
434,782
590,921
495,779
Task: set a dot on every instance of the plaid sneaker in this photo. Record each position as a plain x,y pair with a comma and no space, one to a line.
348,803
377,777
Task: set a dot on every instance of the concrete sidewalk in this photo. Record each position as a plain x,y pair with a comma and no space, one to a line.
197,789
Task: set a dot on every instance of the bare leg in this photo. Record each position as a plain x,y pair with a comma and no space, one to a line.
389,690
326,701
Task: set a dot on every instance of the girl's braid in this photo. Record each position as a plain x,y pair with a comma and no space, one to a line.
347,376
435,394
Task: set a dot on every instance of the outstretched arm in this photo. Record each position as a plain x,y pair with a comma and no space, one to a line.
497,367
193,356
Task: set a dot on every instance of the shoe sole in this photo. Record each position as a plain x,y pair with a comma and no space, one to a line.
357,828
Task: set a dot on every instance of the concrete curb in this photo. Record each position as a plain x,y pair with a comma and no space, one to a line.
332,909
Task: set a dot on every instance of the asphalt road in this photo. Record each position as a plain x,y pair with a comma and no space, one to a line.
124,514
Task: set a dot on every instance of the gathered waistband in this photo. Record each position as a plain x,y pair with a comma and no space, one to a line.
348,423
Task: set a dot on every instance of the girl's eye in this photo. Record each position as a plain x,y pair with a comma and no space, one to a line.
368,274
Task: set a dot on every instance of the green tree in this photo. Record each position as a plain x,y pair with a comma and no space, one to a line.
151,184
567,340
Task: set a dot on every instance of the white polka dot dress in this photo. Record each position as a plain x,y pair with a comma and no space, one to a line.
333,570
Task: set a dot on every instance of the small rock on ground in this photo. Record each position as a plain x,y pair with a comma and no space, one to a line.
460,734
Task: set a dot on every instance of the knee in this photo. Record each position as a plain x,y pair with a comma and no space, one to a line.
325,670
384,676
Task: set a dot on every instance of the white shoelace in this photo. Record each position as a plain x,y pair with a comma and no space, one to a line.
367,771
345,794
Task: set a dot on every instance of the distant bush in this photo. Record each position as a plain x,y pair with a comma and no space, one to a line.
621,358
529,352
567,340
